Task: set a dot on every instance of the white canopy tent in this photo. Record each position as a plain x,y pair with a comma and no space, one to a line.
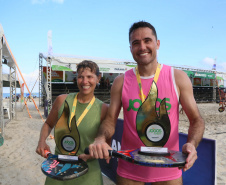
6,80
58,62
69,63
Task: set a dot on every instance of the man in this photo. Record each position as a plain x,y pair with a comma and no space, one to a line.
172,84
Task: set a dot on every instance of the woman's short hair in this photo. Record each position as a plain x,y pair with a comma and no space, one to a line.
90,64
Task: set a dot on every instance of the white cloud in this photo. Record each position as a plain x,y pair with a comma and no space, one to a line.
58,1
44,1
208,64
208,61
38,1
30,80
221,67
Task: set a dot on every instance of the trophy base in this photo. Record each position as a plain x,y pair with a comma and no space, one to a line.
153,151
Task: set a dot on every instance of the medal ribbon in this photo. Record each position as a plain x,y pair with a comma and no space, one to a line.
157,72
84,112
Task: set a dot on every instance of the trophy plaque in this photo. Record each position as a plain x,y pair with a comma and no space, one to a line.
67,138
153,128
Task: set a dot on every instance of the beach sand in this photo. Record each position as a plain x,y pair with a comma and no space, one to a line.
19,163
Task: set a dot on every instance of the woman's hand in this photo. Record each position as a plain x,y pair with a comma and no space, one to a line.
42,146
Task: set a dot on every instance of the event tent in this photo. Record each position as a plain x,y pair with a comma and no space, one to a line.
69,63
7,80
65,63
56,63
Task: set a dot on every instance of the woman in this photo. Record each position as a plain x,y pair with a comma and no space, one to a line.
87,78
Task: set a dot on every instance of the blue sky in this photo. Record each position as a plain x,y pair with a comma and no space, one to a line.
191,33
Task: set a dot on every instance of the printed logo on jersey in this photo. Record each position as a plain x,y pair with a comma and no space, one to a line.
136,103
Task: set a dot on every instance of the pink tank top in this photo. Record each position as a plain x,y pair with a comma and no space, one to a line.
130,139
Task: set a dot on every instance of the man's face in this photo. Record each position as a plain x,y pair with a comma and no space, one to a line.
144,46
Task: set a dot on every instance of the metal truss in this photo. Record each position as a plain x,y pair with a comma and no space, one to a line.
45,87
1,95
42,93
12,107
49,85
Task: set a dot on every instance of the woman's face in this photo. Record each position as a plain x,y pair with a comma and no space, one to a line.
86,81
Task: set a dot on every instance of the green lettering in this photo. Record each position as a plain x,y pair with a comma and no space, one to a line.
69,142
131,104
156,131
168,105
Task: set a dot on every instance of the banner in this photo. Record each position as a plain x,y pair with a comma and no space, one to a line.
205,82
220,81
204,75
22,93
189,73
56,76
70,76
62,64
196,74
197,82
104,68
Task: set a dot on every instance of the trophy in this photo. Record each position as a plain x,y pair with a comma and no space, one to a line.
153,128
67,137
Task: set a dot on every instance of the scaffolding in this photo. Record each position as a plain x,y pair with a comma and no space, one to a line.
45,87
6,57
1,87
41,91
12,106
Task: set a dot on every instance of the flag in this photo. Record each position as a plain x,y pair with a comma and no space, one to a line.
214,65
22,93
50,48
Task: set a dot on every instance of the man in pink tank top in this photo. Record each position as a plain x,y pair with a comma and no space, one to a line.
173,85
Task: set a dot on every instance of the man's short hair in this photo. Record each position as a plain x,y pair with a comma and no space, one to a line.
142,24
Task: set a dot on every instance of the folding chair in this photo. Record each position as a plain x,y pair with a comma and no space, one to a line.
6,108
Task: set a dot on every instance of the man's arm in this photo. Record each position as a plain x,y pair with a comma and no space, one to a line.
197,125
99,149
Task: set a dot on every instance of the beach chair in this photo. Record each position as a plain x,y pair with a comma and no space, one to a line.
6,108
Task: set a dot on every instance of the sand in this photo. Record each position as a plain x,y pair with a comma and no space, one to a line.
19,163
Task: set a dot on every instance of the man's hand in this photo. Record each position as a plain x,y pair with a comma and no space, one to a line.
99,149
84,157
189,149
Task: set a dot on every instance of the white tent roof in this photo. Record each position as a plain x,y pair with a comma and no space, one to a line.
69,63
6,55
5,50
61,58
